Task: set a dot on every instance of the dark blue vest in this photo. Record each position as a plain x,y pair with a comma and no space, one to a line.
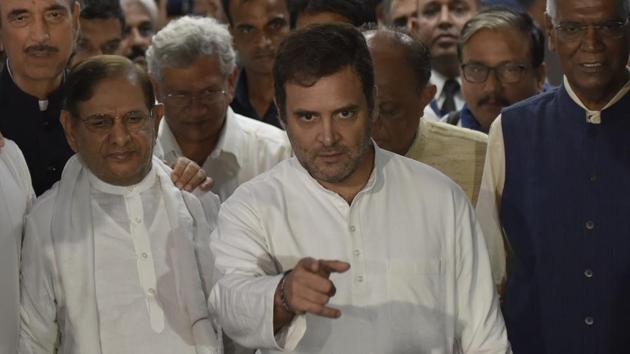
566,214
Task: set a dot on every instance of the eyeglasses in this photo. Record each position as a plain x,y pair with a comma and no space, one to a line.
103,123
185,100
574,31
508,73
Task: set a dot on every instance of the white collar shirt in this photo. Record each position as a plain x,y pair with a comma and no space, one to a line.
245,149
419,280
16,196
439,80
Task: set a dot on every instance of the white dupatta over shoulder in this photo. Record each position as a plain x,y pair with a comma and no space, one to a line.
73,252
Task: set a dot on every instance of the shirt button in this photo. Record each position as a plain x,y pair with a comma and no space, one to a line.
352,228
151,292
356,252
593,178
359,278
590,225
145,255
589,320
588,273
137,220
51,169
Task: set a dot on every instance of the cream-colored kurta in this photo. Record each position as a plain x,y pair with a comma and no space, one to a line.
457,152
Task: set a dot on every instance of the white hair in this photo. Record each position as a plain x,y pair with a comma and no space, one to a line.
624,6
149,6
187,39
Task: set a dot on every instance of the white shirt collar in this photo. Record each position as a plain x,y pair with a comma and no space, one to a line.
595,117
439,80
147,182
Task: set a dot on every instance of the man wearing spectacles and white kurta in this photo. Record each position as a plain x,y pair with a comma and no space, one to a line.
193,64
115,257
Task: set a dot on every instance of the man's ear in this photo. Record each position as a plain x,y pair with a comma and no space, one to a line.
283,123
158,114
427,94
69,129
76,14
541,76
157,90
550,33
232,81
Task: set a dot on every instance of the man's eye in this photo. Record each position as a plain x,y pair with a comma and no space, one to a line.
307,117
99,122
55,16
111,47
347,114
20,20
572,28
245,29
277,24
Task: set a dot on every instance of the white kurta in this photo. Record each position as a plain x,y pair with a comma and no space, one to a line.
16,195
246,148
419,280
138,303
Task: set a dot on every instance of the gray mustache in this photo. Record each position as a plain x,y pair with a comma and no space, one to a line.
40,48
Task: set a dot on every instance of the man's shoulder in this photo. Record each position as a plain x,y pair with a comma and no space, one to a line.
533,103
44,206
258,130
450,133
415,176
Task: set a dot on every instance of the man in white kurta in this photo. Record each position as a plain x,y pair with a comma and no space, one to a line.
394,246
245,149
16,196
193,65
115,258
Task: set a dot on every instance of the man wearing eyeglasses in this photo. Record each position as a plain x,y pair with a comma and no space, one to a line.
555,189
501,53
193,64
115,257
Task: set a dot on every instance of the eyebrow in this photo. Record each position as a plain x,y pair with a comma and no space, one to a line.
56,7
300,112
350,107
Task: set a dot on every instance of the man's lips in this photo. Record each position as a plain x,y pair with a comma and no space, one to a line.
445,39
592,65
120,156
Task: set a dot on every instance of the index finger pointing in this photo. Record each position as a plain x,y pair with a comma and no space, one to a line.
334,266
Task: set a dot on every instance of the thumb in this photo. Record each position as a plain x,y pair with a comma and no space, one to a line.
334,266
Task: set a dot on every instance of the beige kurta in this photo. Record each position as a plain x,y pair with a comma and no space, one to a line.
457,152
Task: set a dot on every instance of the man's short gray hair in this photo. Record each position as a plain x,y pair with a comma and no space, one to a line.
624,6
187,39
149,6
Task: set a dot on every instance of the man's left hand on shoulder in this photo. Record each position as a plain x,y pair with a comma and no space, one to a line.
188,176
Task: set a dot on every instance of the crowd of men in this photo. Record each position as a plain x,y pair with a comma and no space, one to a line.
314,176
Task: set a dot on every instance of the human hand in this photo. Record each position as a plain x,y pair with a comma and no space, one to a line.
308,289
187,175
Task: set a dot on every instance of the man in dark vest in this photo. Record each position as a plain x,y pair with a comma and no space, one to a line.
556,183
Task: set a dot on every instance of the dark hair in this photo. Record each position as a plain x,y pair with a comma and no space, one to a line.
84,77
102,10
318,51
228,14
353,10
499,17
416,53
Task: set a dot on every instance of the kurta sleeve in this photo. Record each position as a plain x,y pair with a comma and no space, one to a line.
482,326
489,201
38,312
246,277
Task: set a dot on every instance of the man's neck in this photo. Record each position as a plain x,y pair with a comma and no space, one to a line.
446,66
259,91
596,100
37,88
351,186
199,151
